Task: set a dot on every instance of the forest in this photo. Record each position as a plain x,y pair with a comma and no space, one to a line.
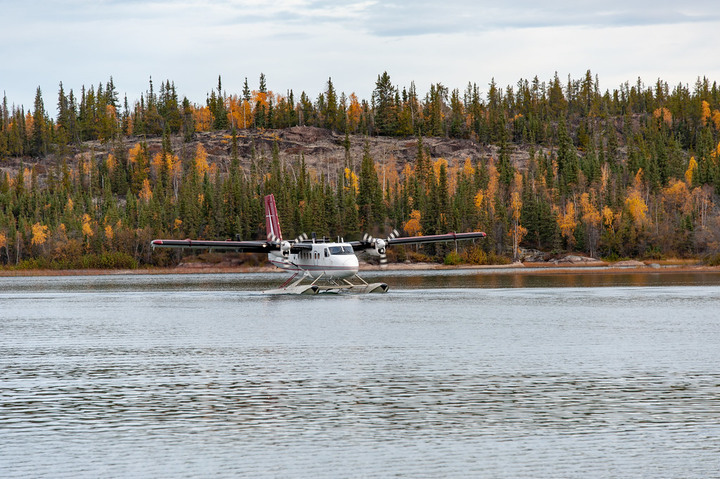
631,172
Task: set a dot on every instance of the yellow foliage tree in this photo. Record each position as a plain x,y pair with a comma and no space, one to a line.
664,115
438,164
111,162
134,152
479,198
637,207
608,218
351,181
354,113
493,183
590,214
604,177
716,119
592,219
676,197
468,170
692,166
201,164
240,112
568,223
39,234
202,118
86,227
518,232
412,226
3,240
706,113
146,193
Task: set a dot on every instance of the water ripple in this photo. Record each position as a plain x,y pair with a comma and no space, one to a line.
612,382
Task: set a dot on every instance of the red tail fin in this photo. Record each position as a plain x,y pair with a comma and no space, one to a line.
272,223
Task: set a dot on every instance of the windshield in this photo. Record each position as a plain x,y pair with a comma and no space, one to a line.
341,250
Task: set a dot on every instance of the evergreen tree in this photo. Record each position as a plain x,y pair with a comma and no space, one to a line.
385,118
39,126
370,200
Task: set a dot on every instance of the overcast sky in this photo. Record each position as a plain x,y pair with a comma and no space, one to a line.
299,44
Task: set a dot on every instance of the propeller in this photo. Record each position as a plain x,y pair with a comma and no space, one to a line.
379,246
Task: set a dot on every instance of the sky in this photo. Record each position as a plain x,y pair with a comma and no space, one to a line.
300,44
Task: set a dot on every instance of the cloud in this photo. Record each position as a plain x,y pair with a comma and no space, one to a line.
298,44
424,17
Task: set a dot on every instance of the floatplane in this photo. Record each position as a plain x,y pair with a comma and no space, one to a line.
328,265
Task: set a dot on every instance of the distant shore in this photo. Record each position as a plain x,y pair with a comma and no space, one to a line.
585,267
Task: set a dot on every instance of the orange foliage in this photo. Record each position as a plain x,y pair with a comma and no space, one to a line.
240,113
637,207
86,227
261,100
567,223
29,123
203,118
468,169
706,113
590,214
39,234
479,198
664,115
407,172
201,164
692,166
604,177
412,226
390,173
515,205
145,192
677,197
171,163
354,113
351,180
438,164
608,217
494,181
111,162
135,152
110,112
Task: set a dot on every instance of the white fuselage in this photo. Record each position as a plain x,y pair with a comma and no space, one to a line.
329,260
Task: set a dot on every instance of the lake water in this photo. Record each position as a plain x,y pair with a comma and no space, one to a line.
450,374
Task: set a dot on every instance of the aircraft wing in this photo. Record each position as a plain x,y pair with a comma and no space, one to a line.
371,243
237,246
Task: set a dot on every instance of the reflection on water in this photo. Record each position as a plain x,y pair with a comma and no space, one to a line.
448,375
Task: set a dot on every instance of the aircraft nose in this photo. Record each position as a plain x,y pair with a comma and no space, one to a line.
351,262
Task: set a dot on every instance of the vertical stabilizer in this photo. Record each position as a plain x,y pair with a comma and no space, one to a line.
272,223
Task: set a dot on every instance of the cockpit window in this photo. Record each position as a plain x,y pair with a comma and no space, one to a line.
341,250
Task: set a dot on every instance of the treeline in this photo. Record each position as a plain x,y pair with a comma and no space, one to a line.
526,113
628,173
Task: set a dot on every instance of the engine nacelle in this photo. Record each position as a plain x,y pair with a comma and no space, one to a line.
379,248
285,247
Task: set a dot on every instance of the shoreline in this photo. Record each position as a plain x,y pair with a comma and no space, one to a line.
592,267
